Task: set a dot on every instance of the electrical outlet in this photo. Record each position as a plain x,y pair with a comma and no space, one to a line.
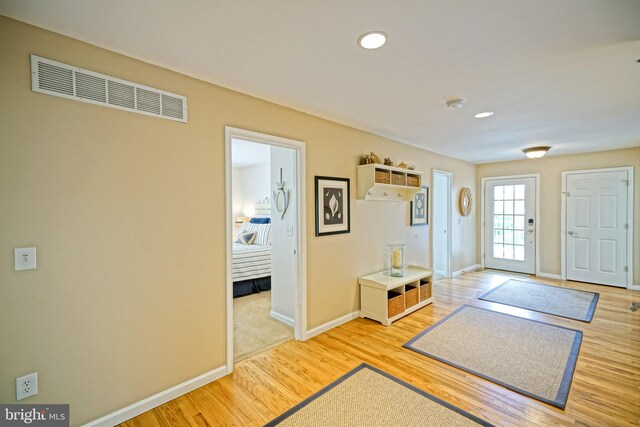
27,386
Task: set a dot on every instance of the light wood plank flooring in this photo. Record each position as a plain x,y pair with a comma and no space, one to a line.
605,389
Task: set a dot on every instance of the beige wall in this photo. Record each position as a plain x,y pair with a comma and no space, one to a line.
550,170
127,213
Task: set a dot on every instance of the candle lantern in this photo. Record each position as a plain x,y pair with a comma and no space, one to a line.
396,251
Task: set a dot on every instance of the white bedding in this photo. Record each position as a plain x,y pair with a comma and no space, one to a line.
251,261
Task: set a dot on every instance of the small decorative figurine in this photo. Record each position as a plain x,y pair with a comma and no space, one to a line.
365,159
387,161
412,167
374,158
403,165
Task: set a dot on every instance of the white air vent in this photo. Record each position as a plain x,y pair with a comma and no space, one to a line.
58,79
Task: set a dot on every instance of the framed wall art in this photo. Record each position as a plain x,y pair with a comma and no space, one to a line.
420,207
333,214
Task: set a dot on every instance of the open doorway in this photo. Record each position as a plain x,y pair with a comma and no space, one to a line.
441,224
265,244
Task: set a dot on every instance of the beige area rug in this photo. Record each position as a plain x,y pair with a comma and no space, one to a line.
254,330
563,302
367,396
530,357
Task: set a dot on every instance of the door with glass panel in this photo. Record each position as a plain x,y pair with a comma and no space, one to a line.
510,221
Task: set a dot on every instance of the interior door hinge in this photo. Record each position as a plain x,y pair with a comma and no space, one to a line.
626,226
566,193
626,268
626,181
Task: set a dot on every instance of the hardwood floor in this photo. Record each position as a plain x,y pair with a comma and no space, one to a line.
605,389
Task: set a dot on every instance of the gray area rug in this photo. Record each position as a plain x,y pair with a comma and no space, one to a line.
367,396
530,357
563,302
254,331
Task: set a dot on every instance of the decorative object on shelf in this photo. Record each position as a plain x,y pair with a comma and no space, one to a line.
281,197
420,207
403,165
464,201
333,215
412,167
375,158
388,161
365,159
396,251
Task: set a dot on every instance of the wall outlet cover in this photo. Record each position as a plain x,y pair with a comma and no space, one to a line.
26,386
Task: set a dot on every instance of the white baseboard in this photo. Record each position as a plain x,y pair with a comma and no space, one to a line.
158,399
549,276
284,319
466,270
634,287
332,324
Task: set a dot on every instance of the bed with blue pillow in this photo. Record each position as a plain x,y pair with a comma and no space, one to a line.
252,258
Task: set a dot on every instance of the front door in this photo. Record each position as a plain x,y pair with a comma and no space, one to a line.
510,221
597,227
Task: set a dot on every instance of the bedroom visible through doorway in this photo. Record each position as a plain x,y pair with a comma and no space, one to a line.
263,247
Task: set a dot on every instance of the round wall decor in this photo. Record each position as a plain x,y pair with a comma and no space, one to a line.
464,201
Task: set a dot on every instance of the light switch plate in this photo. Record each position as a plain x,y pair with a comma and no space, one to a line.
24,259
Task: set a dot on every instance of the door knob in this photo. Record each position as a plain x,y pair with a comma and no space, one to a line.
572,233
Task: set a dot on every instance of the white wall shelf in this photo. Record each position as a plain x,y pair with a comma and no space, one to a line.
386,299
387,183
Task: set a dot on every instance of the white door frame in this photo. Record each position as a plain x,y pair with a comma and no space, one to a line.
563,220
435,172
536,176
300,330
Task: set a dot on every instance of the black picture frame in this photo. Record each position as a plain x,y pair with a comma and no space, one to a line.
333,205
417,216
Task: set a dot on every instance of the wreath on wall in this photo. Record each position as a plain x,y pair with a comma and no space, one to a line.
464,201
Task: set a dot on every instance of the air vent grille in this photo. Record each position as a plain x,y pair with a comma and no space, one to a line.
58,79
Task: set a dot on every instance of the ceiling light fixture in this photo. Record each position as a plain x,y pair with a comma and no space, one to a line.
455,103
372,40
483,115
536,152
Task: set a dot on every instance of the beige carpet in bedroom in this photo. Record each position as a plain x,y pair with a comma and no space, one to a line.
254,330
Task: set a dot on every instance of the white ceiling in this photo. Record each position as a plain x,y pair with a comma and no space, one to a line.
246,153
559,73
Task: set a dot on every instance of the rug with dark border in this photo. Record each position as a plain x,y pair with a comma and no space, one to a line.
562,302
367,396
533,358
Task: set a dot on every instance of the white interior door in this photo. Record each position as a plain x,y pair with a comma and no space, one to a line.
596,227
510,221
441,223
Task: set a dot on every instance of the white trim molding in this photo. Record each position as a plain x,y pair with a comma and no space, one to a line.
630,219
300,328
282,318
332,324
466,270
549,275
158,399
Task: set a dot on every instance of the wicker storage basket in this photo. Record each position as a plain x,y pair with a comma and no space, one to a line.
382,177
413,181
395,303
398,178
410,296
425,291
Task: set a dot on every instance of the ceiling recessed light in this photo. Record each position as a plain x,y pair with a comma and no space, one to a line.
372,40
536,152
483,115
